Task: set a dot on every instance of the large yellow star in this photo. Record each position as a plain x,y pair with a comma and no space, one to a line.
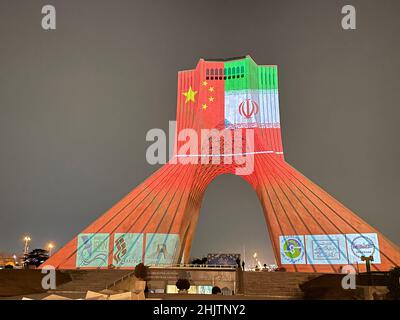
190,94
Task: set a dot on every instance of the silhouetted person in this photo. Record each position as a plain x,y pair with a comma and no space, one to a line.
238,262
243,265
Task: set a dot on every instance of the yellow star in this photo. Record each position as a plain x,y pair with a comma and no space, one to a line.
211,89
205,83
204,106
211,99
190,94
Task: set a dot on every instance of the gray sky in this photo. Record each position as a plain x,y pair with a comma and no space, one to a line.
76,103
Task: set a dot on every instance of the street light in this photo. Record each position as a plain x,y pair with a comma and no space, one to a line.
51,247
255,260
27,239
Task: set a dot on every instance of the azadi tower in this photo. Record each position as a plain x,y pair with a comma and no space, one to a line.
155,223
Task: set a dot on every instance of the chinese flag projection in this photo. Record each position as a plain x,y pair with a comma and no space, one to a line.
228,123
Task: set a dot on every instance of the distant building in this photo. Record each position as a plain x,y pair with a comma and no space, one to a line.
9,259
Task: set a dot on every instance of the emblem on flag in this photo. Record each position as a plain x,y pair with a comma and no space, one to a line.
248,108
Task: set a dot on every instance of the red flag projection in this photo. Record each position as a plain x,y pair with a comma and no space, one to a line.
237,101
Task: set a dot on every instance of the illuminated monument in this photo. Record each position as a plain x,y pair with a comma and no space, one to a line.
155,223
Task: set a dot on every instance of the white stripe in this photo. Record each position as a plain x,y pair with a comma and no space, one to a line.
226,155
267,100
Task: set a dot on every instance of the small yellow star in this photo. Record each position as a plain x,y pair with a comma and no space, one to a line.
205,83
211,89
204,106
190,94
211,99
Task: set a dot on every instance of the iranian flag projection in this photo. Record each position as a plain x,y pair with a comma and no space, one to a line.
231,109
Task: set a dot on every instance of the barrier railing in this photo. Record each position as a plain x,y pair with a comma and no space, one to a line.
179,265
189,265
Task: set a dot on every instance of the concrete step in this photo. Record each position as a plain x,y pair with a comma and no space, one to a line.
83,280
275,283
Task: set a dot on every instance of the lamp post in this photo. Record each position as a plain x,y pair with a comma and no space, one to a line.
367,262
255,260
51,247
27,239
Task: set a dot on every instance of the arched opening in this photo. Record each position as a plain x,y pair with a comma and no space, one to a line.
231,220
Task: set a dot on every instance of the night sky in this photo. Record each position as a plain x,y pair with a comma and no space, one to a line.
76,104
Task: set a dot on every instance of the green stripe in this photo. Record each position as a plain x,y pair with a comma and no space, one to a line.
237,74
245,74
268,77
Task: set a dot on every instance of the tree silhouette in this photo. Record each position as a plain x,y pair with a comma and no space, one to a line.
183,284
141,271
394,283
216,290
35,258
